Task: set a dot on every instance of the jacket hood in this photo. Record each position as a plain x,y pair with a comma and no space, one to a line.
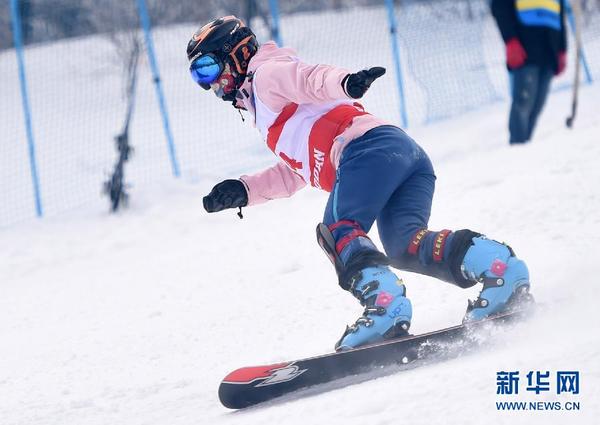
269,52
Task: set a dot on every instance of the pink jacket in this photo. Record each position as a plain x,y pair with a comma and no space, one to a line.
283,80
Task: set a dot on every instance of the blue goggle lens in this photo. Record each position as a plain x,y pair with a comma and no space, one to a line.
206,69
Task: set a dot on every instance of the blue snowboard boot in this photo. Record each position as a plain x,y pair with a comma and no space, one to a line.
387,310
505,278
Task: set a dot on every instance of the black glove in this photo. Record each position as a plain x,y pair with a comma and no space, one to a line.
227,194
355,85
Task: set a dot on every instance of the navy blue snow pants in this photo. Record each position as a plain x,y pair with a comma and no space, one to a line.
530,87
385,176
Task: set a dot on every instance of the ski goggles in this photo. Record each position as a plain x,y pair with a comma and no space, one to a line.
206,69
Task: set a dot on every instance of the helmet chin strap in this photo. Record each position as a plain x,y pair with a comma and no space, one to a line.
230,97
227,97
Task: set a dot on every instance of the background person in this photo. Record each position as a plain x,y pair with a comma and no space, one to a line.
535,38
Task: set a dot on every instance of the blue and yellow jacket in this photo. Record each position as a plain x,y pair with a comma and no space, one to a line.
538,24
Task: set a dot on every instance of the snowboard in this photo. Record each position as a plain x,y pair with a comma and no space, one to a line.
249,386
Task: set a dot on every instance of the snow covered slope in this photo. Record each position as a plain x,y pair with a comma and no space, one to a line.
135,318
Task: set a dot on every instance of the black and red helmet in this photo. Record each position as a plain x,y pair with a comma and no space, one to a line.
229,39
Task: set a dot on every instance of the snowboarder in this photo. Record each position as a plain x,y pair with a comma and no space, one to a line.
309,118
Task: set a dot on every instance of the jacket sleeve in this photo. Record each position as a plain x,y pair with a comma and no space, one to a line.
506,17
273,183
563,28
282,82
